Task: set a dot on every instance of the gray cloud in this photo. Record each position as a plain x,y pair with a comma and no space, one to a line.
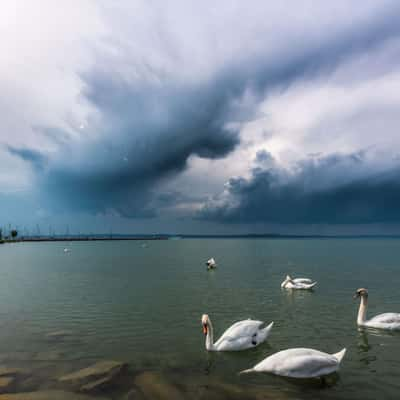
321,191
36,158
264,158
145,136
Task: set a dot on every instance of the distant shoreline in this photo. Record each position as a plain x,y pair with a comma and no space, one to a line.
80,239
116,237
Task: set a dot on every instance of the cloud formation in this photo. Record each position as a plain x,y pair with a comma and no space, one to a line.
34,157
324,190
157,98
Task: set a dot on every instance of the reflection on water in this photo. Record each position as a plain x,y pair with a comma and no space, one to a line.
363,343
365,348
294,294
383,333
368,351
118,301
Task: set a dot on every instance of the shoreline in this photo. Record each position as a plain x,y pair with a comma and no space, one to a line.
87,238
80,239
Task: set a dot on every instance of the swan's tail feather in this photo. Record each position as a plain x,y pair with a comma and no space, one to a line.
312,285
268,327
247,371
264,333
340,355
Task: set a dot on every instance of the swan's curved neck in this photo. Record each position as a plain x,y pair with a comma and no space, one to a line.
210,336
362,311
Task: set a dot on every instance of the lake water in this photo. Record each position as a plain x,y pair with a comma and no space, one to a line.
142,304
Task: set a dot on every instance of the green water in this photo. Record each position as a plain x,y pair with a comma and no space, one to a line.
143,305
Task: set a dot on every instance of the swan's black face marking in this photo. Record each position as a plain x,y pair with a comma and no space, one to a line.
361,292
254,340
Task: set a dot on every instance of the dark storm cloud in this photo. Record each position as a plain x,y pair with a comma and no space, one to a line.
147,135
36,158
319,191
264,158
150,127
305,60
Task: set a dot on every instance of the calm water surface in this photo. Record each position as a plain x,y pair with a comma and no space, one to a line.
143,304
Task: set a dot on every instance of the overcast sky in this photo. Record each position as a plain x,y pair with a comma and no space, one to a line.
200,117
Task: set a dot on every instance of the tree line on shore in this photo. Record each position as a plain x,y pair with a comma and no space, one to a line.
12,235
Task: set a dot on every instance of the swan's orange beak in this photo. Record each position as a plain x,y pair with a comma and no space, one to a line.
205,329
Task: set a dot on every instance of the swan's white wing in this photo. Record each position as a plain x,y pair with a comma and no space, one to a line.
246,327
240,335
387,318
235,344
299,363
308,285
298,285
384,321
302,280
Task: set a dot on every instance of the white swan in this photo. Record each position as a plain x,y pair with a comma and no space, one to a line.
295,280
299,363
240,336
297,283
382,321
211,264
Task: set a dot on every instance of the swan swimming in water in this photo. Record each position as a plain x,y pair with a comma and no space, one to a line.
240,336
299,363
211,264
297,283
382,321
295,280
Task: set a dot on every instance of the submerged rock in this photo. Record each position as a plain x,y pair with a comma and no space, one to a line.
9,376
94,377
11,371
41,376
49,395
95,371
6,382
155,387
97,384
57,335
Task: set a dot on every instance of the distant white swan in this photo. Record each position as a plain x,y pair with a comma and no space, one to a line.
299,363
240,336
382,321
297,283
295,280
211,264
66,250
